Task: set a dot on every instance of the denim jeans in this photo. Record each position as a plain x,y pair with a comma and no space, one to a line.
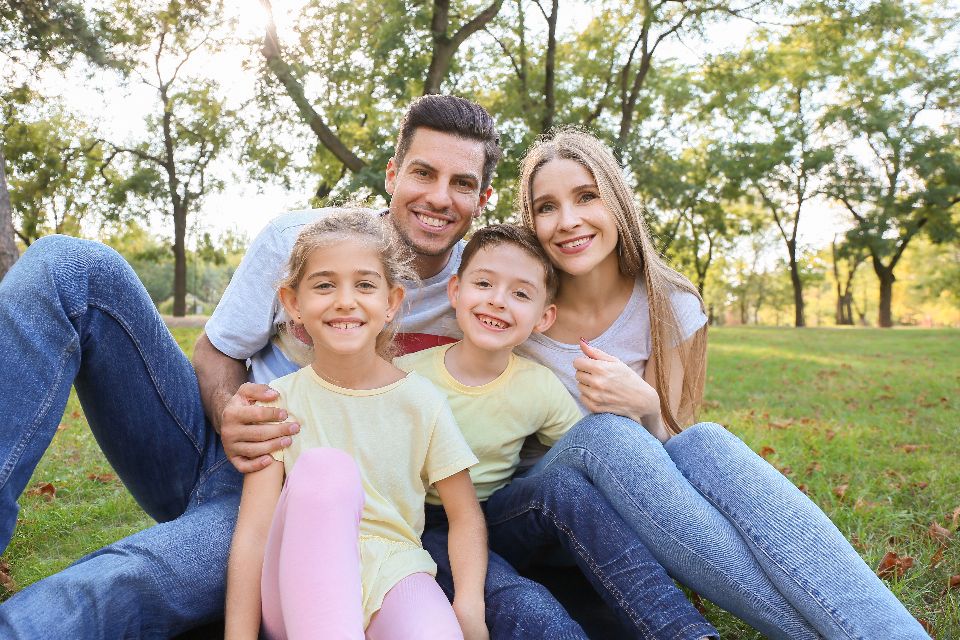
560,508
72,312
727,524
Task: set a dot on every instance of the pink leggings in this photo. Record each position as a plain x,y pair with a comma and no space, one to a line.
311,570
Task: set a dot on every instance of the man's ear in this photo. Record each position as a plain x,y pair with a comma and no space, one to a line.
288,298
547,319
453,290
484,199
390,180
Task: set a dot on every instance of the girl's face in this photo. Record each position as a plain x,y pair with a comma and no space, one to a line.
570,220
343,299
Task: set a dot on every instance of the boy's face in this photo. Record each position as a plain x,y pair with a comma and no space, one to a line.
501,298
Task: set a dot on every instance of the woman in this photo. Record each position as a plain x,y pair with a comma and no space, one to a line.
630,343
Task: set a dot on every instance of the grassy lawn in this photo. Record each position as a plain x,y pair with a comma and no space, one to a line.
865,421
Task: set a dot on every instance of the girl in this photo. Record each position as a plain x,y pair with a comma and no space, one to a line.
630,343
337,553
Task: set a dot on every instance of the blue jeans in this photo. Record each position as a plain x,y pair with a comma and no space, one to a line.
561,508
72,312
725,523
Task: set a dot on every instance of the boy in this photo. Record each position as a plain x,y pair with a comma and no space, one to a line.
502,292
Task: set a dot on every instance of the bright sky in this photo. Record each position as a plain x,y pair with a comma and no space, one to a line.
246,207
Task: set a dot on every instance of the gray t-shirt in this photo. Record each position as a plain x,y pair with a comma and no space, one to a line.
628,338
249,323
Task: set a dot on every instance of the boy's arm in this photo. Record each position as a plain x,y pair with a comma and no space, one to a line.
261,490
467,547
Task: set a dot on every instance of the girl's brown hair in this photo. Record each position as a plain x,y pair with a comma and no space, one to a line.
638,258
356,222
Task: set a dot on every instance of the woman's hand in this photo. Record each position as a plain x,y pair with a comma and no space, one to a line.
607,385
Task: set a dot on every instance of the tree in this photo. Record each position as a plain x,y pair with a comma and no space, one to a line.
851,257
34,35
360,60
57,175
192,125
899,175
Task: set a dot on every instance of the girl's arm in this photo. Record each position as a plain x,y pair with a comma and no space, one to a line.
467,546
261,490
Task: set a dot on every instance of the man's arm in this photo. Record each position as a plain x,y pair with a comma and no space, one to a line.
230,404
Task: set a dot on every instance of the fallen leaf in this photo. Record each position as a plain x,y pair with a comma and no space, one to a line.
766,452
814,466
5,580
44,489
781,424
785,470
803,488
698,603
956,517
893,566
61,427
104,478
840,490
926,626
921,485
937,558
830,434
953,582
938,533
75,415
910,448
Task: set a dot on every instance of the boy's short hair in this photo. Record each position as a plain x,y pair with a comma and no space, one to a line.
521,237
453,115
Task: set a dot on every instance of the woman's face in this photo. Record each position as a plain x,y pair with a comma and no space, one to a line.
570,219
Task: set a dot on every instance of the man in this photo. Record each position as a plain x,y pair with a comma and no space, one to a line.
72,311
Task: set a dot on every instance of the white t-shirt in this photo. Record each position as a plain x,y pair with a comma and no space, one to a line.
628,338
249,317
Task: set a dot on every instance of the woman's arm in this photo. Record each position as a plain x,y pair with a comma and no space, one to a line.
261,490
607,385
467,546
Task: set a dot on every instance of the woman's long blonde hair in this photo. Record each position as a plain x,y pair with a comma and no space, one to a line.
638,259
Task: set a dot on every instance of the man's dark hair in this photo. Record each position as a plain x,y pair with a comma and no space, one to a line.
457,116
498,234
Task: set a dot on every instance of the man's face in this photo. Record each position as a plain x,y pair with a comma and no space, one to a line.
435,193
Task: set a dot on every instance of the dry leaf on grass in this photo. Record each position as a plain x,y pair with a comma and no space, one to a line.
953,582
840,490
44,489
893,565
938,533
104,478
5,580
766,452
937,558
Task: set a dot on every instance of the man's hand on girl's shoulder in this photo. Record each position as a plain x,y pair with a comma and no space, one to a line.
250,432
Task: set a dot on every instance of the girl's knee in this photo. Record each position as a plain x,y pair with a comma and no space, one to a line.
325,474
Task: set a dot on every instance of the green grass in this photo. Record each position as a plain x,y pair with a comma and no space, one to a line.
873,411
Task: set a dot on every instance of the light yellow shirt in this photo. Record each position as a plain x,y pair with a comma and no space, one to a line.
404,438
495,418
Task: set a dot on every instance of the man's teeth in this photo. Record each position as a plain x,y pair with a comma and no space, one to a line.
574,243
431,221
345,325
491,322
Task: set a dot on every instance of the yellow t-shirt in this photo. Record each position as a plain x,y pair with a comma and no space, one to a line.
495,418
404,438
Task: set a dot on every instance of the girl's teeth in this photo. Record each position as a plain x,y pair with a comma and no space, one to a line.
575,243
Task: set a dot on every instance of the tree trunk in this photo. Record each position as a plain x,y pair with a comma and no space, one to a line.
797,289
8,243
549,96
179,262
885,316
